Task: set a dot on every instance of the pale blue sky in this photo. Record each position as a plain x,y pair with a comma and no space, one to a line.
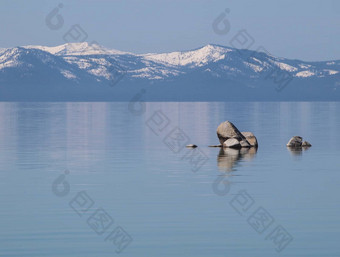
301,29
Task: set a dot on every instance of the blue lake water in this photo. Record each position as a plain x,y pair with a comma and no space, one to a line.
132,189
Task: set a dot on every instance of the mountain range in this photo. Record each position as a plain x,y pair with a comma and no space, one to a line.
90,72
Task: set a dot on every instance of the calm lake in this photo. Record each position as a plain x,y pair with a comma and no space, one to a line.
106,179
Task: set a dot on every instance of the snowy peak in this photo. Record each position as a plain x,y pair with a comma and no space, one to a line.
198,57
77,49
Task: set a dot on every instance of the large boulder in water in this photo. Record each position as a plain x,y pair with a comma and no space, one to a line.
228,130
252,140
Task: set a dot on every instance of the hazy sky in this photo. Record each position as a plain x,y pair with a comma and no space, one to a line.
299,29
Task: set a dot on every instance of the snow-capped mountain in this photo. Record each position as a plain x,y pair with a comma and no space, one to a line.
211,72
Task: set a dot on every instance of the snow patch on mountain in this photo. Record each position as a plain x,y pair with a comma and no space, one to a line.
257,60
230,69
285,66
8,64
305,66
82,63
100,72
331,72
154,73
67,74
254,67
304,74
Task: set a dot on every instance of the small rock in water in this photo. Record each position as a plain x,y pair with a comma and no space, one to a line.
232,143
306,144
191,146
295,141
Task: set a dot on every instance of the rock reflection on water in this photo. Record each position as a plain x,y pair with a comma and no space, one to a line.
297,151
228,158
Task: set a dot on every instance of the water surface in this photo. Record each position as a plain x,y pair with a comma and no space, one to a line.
128,163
